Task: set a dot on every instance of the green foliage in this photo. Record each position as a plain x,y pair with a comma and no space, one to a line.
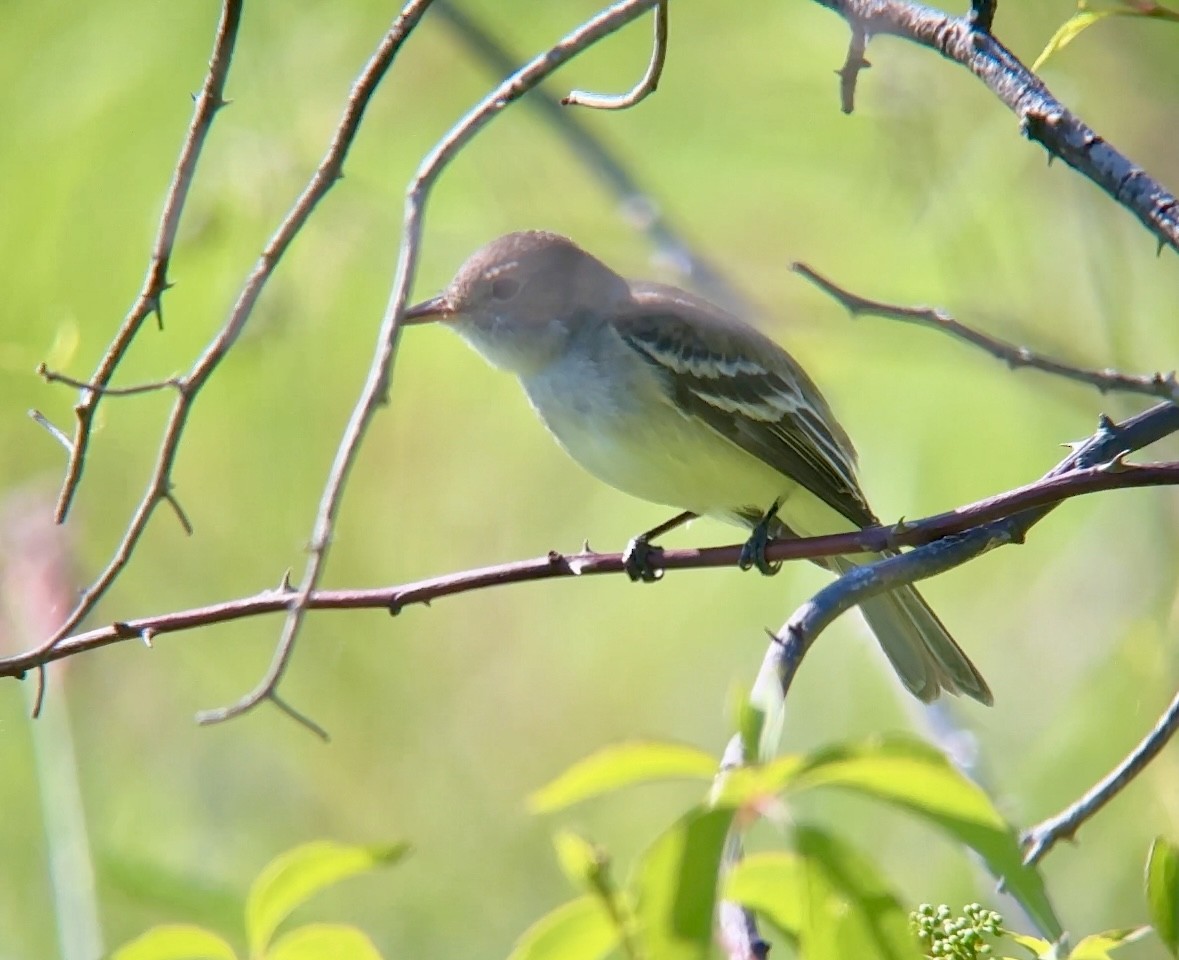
1086,16
1162,891
826,897
284,884
823,894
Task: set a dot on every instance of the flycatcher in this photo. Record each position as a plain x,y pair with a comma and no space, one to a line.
669,398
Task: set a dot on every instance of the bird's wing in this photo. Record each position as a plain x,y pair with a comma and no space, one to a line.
746,388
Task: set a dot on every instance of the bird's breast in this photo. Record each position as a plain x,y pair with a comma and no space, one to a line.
614,416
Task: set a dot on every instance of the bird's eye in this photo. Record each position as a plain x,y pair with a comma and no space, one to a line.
504,288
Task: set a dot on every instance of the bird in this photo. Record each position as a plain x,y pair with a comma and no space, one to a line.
667,397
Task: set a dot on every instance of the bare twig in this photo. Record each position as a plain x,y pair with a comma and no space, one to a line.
374,392
208,102
982,14
1041,838
1042,117
1163,419
52,376
636,201
1105,449
644,88
159,487
850,71
1163,385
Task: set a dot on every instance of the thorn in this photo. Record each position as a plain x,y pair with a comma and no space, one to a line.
773,635
147,634
123,630
396,606
556,558
284,585
1105,424
585,544
1117,464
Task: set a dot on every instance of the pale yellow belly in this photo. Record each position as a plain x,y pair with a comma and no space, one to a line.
644,446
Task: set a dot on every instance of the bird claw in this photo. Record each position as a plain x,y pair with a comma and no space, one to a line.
636,560
753,551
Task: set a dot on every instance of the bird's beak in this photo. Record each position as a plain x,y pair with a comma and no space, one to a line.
436,308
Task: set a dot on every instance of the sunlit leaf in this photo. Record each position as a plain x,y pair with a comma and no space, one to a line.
827,896
916,777
1097,946
578,930
1162,891
177,941
623,765
324,941
290,879
674,887
1085,17
1036,946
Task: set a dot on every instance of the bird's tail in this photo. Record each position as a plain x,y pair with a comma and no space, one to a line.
921,650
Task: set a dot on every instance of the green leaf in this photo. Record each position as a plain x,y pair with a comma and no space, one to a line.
1162,891
674,887
1085,17
578,930
1036,946
777,886
177,941
827,896
1097,946
581,861
916,777
324,941
1069,31
290,879
623,765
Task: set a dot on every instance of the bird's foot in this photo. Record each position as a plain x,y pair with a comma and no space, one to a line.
636,560
753,552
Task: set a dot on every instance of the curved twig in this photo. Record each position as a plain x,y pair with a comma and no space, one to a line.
159,487
641,90
636,201
1042,117
377,382
1162,385
208,102
1041,838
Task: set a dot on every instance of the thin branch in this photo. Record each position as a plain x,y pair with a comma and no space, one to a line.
982,14
1041,838
375,390
644,88
1156,423
849,73
636,201
1042,117
52,376
1104,450
1162,385
325,176
208,102
54,430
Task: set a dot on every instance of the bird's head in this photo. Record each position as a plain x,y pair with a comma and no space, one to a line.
520,298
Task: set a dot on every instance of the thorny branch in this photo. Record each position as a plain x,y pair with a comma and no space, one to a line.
375,390
208,102
1041,838
1112,474
159,487
1042,118
1162,385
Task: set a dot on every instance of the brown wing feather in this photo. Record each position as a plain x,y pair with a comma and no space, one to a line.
748,389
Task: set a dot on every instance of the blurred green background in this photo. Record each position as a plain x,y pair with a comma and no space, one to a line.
443,719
